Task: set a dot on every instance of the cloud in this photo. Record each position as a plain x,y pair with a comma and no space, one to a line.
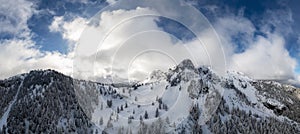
70,30
14,16
20,56
111,1
118,43
263,55
132,42
78,1
119,54
115,43
236,32
119,48
267,58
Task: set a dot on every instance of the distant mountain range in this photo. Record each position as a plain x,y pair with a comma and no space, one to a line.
184,99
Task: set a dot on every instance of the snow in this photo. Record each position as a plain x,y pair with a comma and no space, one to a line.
252,95
145,95
180,109
178,102
238,81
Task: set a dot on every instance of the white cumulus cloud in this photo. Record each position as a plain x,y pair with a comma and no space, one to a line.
267,58
16,13
20,56
70,30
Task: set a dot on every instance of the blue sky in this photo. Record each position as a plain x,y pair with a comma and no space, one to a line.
44,31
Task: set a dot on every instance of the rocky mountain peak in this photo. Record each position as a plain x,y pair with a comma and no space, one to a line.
186,64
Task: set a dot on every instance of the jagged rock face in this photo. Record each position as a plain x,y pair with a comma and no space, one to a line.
285,102
185,64
50,102
185,71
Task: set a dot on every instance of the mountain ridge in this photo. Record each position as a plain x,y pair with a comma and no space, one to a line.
49,101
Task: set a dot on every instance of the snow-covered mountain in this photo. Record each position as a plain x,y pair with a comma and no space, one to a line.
185,99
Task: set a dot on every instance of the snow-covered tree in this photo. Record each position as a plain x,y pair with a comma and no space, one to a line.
156,112
146,115
101,121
